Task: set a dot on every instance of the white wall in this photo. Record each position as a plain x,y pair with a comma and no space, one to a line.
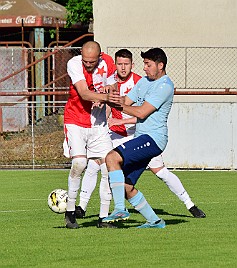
150,23
202,129
202,133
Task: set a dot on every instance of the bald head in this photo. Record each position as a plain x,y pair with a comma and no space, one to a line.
90,55
91,47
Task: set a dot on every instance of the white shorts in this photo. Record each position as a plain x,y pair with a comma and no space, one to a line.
92,142
118,139
156,162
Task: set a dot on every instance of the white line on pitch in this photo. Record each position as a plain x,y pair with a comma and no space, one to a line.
21,210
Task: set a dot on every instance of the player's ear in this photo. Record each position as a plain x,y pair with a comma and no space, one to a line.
133,65
160,65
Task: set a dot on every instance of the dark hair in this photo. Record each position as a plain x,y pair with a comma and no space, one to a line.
156,55
123,53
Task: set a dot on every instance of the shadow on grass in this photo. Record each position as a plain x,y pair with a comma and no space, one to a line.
130,222
175,221
119,224
122,224
162,212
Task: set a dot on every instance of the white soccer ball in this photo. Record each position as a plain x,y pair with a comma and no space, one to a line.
57,200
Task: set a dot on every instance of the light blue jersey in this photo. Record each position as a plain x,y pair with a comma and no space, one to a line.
158,93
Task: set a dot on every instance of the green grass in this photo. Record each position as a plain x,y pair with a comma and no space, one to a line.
33,236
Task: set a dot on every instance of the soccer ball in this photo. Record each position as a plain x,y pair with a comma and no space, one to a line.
57,200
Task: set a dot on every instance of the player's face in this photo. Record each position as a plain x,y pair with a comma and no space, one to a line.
152,69
124,67
90,60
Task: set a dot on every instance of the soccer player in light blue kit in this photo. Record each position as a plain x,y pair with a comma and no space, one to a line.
153,97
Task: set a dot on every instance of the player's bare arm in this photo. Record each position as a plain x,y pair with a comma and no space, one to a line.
88,95
140,112
108,111
118,122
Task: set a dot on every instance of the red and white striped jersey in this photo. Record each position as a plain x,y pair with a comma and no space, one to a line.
78,111
124,87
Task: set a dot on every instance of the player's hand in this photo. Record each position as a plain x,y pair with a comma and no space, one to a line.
97,104
106,89
113,96
114,122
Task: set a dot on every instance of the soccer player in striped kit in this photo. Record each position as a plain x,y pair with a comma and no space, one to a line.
85,124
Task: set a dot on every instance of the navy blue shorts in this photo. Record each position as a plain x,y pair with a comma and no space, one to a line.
136,154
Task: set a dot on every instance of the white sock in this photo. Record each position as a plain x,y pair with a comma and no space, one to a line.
175,186
88,183
105,192
73,186
74,178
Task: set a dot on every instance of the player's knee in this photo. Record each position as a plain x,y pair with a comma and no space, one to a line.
163,174
109,156
78,166
113,159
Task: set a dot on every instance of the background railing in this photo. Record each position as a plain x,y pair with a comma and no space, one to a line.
34,87
28,143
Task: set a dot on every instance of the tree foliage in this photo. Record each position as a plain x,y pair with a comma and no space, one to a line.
79,11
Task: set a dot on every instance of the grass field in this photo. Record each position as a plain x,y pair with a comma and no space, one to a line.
33,236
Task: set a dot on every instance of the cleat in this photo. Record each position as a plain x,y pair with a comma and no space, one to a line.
101,224
70,220
117,215
158,224
196,212
80,213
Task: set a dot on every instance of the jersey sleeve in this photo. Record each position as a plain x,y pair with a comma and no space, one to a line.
132,94
136,78
110,64
75,69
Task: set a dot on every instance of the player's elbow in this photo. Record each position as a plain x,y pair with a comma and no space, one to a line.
141,115
87,96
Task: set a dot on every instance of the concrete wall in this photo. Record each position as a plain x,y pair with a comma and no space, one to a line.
202,133
179,23
202,129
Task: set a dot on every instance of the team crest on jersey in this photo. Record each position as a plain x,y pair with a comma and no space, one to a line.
101,71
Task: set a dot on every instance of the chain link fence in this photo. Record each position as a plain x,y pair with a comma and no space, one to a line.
195,68
36,143
34,86
33,92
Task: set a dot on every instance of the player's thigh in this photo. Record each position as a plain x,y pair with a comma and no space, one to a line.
139,149
76,139
136,155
